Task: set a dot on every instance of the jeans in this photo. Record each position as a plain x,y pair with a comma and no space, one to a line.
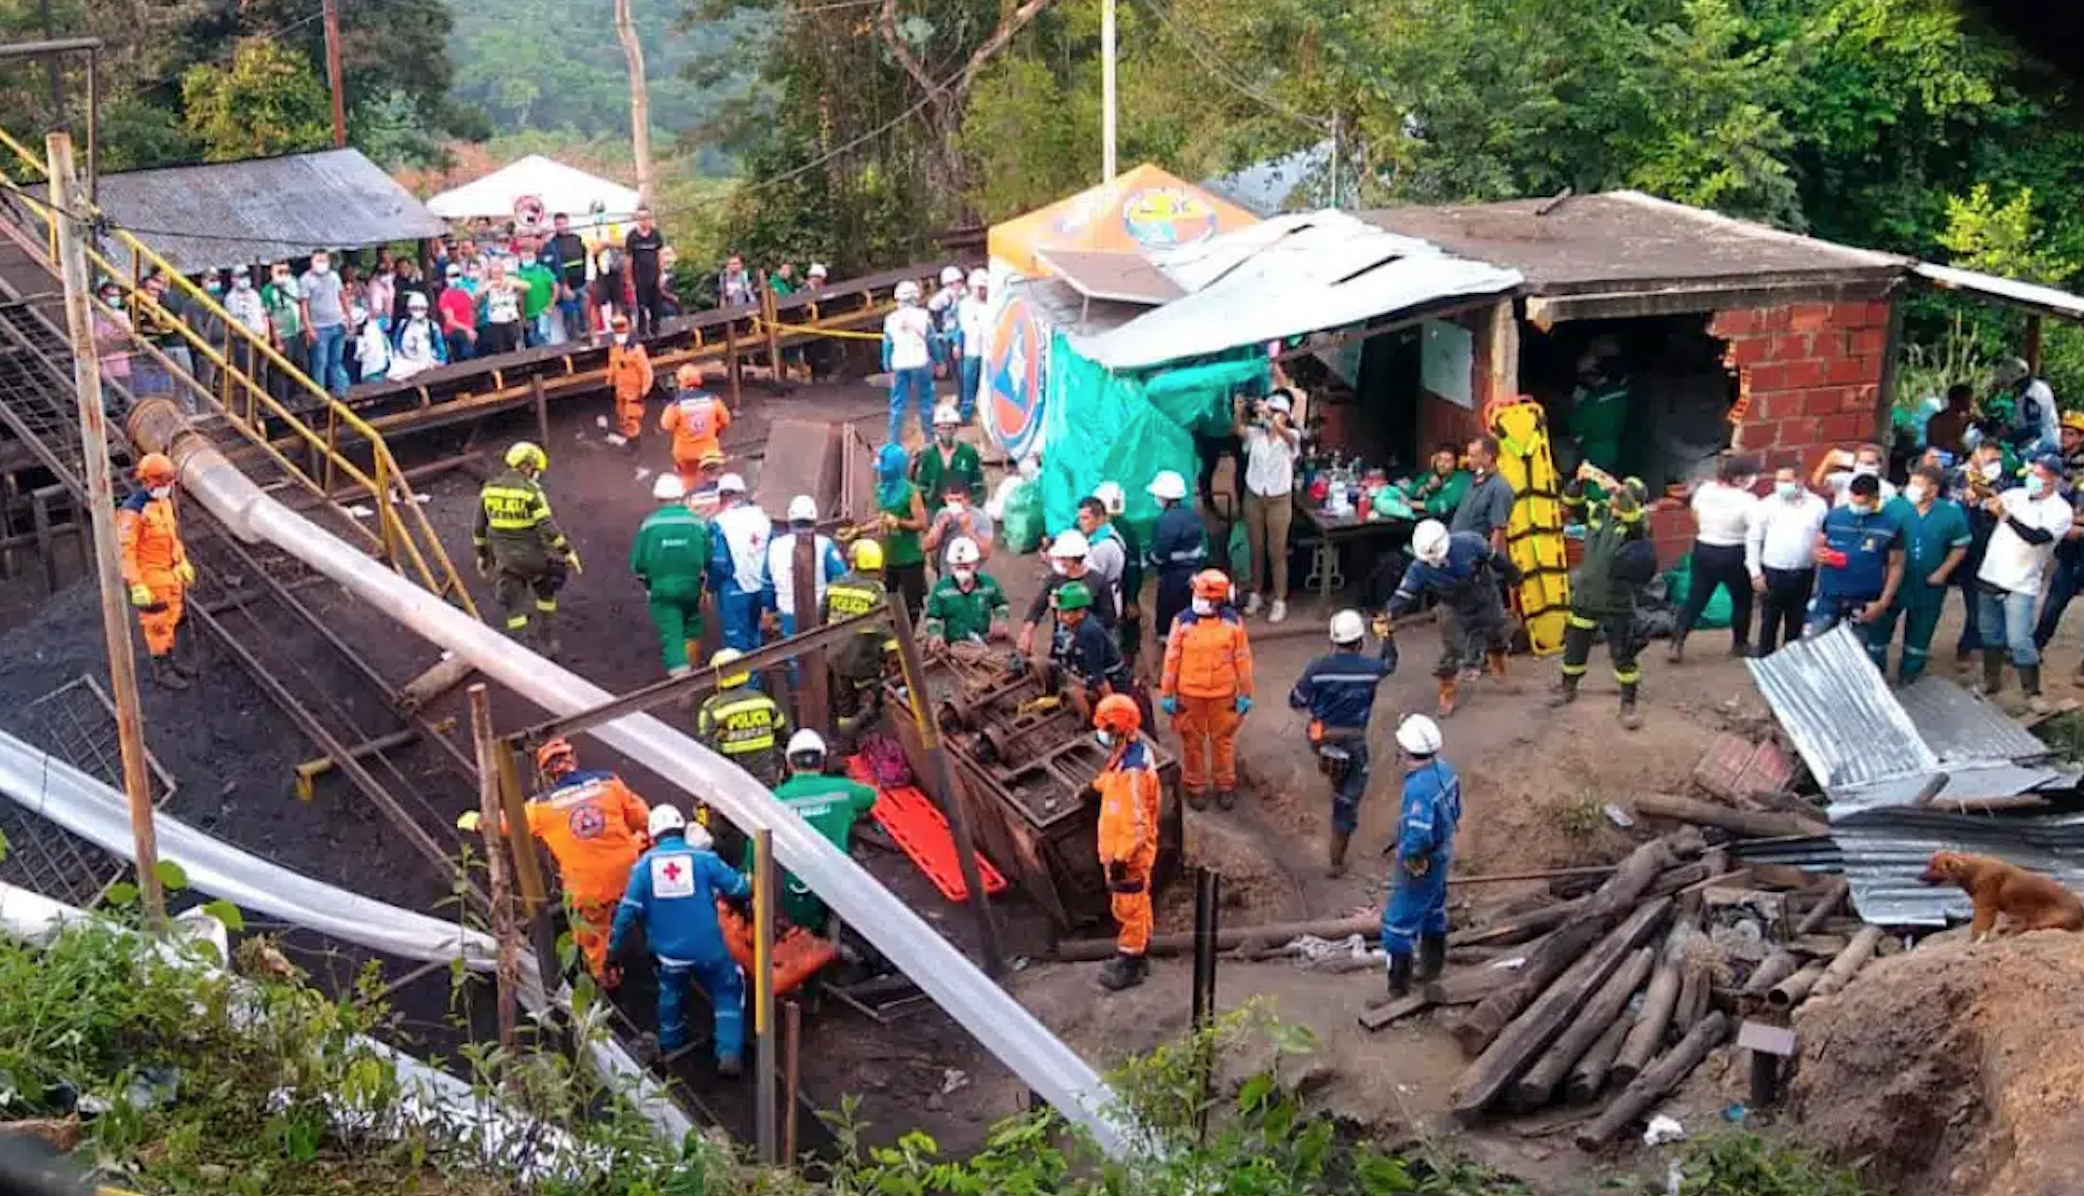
914,386
972,375
567,321
328,366
461,347
1719,565
2006,617
1346,795
1826,611
1267,520
725,984
1783,606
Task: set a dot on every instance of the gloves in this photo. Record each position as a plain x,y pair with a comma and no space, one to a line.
1384,629
141,595
469,820
1418,865
1244,704
1169,704
484,563
185,573
571,558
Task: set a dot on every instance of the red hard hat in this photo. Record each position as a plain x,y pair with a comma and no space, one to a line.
1117,714
559,749
156,469
1213,585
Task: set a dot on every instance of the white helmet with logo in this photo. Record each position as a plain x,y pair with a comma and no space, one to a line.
963,551
1168,486
1347,627
1070,546
1429,541
907,292
979,278
1111,497
1419,735
803,509
950,275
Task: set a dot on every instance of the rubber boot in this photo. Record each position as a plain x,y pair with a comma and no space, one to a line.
1124,971
1446,703
1399,975
1629,719
730,1067
1677,653
547,642
165,675
1197,800
1494,664
1340,840
1993,672
1565,691
1432,957
1226,799
186,656
2030,681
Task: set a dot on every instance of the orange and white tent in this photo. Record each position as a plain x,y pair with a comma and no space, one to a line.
1141,210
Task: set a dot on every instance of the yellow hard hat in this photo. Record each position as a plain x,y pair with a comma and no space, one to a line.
724,680
2073,419
867,556
526,455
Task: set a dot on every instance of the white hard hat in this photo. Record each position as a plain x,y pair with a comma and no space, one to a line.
416,302
806,742
1429,541
1168,485
950,274
817,270
669,487
665,818
946,413
1070,546
980,277
2010,370
730,483
963,551
1347,627
1419,735
907,292
803,509
1278,401
1111,497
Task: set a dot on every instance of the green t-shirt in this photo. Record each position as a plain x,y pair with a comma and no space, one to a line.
902,546
671,552
1441,501
954,615
932,474
780,286
542,288
281,303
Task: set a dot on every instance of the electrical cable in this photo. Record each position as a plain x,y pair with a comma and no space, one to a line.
1203,54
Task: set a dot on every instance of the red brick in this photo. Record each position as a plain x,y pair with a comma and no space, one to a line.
1733,322
1749,350
1793,433
1768,378
1806,375
1844,427
1774,319
1849,371
1827,344
1864,399
1810,317
1777,405
1823,401
1868,342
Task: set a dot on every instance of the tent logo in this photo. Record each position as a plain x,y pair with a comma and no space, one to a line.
1016,370
1161,217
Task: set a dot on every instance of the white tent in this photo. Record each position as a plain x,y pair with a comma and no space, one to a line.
561,188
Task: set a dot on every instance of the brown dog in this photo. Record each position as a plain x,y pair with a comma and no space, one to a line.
2033,902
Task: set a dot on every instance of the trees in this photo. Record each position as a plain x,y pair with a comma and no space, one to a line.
268,101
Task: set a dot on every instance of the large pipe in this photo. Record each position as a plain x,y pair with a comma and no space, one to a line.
992,1016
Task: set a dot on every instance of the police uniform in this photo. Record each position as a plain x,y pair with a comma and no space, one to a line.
520,545
857,663
746,727
1618,558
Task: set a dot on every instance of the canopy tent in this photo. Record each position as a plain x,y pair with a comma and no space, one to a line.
1143,209
561,188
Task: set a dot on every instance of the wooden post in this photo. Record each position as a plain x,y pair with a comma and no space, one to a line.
768,316
813,699
101,509
731,358
331,12
763,995
542,411
503,930
1502,354
792,1045
2033,344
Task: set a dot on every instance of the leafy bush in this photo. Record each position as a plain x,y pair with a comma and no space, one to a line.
1738,1164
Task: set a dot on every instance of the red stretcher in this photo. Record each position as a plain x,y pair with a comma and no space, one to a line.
918,828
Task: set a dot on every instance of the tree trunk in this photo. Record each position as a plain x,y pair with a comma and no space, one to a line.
640,101
1662,1076
1532,1090
1655,1016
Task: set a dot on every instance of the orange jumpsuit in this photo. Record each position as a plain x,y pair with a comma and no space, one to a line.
149,534
629,367
697,420
595,828
1129,798
1208,667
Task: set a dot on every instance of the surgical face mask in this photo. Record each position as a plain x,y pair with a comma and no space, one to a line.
1917,493
1990,470
242,284
2036,485
1203,606
1788,490
161,492
1104,738
214,288
955,503
1866,469
622,338
320,265
965,577
1860,508
944,435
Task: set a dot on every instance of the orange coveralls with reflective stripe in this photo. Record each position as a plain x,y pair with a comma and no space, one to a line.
697,420
1129,799
595,828
629,368
1208,667
149,534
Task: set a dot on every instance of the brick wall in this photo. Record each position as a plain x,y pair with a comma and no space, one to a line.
1813,372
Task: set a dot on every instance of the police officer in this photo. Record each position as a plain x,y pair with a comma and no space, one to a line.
1339,692
1416,914
740,723
1461,570
1178,547
673,891
521,547
857,662
1618,558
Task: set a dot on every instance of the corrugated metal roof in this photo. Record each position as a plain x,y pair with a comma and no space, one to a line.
1122,277
1836,707
1884,851
2047,300
227,213
1959,726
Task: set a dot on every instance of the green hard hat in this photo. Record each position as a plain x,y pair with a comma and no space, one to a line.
1073,595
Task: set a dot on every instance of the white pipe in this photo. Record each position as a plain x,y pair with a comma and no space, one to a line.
992,1016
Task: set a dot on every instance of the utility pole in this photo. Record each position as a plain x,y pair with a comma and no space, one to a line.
101,507
1107,92
331,9
640,106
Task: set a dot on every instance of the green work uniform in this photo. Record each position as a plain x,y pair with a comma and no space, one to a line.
954,614
901,546
1598,421
1440,496
520,546
1927,540
933,474
745,727
670,556
831,805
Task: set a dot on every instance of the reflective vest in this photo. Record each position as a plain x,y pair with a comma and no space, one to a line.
740,724
861,656
149,536
513,510
1129,804
852,595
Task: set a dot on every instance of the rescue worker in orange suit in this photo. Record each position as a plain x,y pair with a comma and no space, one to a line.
629,371
1128,792
595,828
1207,688
155,565
697,420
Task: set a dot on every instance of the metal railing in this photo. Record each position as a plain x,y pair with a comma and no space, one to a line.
324,425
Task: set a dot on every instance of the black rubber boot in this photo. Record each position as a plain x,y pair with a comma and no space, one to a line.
2030,681
1432,956
1124,971
1340,840
1565,691
165,675
1399,975
1226,799
1993,671
1630,720
730,1067
187,656
1677,654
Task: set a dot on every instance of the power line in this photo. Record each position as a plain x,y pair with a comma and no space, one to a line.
1213,65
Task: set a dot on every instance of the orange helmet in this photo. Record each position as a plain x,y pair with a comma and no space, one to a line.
156,469
687,377
1213,585
620,323
1117,715
556,756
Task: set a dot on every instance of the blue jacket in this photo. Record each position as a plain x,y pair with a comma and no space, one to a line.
1866,541
674,889
1179,544
1465,580
1432,810
1339,690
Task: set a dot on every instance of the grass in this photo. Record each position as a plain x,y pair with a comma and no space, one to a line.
1743,1164
1580,817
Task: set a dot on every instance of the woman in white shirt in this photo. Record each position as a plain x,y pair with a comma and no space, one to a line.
1270,442
1722,512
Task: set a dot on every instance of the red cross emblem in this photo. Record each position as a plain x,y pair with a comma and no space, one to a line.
672,869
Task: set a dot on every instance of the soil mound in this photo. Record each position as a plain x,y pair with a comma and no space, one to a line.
1954,1068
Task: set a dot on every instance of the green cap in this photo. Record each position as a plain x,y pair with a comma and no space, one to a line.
1073,595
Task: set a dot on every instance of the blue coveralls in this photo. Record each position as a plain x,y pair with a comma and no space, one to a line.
1418,904
737,605
674,889
1178,549
1866,540
1472,621
1339,692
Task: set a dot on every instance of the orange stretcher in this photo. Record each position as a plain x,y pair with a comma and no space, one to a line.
798,953
919,829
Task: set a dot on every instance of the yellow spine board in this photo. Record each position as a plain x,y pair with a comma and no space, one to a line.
1535,536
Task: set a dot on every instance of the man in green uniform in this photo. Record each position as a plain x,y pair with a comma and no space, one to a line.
857,662
1618,558
1935,539
542,291
948,457
831,805
1599,406
742,724
670,556
1440,490
521,547
967,604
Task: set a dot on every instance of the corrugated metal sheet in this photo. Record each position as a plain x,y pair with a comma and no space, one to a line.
228,213
2005,290
1836,707
1884,851
1959,726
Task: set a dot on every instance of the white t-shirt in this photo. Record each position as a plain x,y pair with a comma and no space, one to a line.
746,529
907,329
2010,563
970,316
781,569
1269,461
1724,513
1840,482
1783,533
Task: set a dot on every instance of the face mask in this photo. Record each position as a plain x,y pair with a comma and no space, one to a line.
1860,508
1203,606
965,577
280,279
622,338
1105,739
944,436
321,267
162,492
1866,470
1916,493
242,284
215,288
1059,566
2035,485
1788,490
1990,470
